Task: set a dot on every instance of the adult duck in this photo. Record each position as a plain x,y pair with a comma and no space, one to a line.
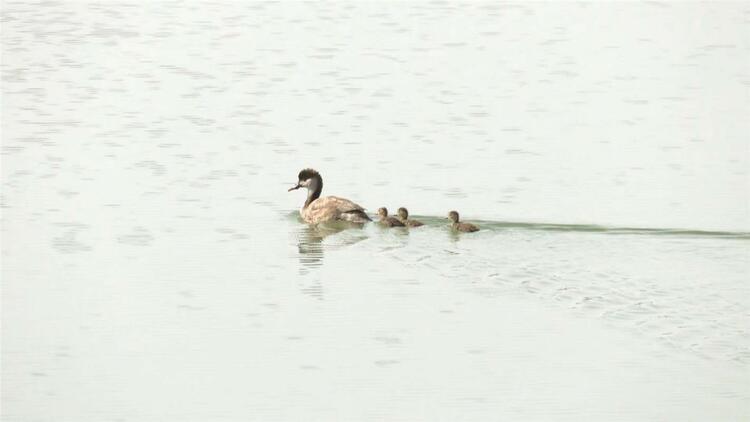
326,209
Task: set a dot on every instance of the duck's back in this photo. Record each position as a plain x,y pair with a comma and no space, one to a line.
466,227
331,208
414,223
391,222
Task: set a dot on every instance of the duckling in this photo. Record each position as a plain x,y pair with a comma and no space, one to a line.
328,208
403,215
462,227
388,221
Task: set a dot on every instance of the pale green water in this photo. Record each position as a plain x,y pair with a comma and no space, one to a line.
154,268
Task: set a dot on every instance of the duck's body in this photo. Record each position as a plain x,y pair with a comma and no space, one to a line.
460,226
386,220
403,216
333,208
465,227
391,222
327,209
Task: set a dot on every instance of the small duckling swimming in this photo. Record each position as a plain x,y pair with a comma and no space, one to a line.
387,221
462,227
403,216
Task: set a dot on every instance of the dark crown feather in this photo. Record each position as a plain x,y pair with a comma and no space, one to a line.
308,174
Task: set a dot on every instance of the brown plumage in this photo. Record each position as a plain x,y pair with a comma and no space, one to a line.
461,227
387,221
328,208
332,208
403,216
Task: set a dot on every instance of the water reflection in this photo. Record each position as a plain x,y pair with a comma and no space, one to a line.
312,249
453,235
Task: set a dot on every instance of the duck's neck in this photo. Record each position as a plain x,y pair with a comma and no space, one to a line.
313,191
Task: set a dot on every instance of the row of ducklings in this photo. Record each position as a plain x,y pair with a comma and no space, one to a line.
403,220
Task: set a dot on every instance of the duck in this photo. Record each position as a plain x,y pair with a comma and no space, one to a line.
387,221
317,209
461,227
403,216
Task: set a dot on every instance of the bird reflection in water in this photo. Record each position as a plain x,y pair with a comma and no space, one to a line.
312,249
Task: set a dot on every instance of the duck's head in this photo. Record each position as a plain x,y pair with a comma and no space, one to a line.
308,178
453,216
383,212
403,213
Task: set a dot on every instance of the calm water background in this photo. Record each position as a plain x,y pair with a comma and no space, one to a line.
154,269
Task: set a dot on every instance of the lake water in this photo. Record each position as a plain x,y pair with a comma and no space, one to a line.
154,267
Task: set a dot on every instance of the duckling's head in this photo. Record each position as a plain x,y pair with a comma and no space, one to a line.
383,212
453,215
403,213
308,178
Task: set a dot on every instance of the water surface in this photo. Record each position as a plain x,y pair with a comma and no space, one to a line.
154,267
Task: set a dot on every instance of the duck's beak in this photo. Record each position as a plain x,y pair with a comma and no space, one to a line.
294,188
